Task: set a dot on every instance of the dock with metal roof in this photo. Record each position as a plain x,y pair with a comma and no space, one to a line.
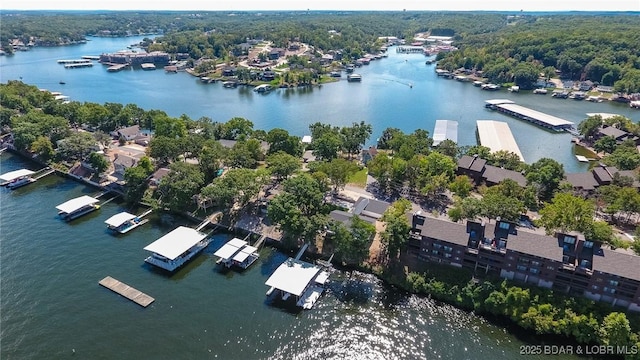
496,135
445,130
533,116
237,252
127,291
176,248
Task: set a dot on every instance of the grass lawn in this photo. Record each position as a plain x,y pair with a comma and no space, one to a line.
359,178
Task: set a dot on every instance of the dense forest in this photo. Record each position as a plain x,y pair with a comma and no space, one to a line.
502,48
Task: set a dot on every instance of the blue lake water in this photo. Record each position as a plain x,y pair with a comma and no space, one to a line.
399,91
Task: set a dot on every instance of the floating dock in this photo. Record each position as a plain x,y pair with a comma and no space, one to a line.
75,61
127,291
523,113
445,130
78,65
496,135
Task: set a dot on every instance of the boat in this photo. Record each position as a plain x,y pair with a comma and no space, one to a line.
578,95
560,94
514,88
477,83
540,91
634,104
354,77
124,222
229,84
303,280
350,68
490,87
335,74
17,178
174,249
62,82
594,99
263,88
430,62
77,207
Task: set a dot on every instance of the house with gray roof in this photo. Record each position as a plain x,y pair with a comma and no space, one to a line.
567,263
479,171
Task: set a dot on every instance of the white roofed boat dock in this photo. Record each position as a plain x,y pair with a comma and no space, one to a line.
17,178
497,136
176,248
237,252
77,207
445,130
533,116
124,222
301,279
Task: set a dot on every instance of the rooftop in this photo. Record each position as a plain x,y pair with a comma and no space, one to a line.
617,263
232,247
535,115
495,175
77,203
119,219
176,242
445,129
293,276
496,135
12,175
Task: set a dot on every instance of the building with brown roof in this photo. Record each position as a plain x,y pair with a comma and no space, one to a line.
566,262
599,176
477,169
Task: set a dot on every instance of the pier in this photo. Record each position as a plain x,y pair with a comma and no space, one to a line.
523,113
117,67
497,136
127,291
410,49
445,130
78,65
75,61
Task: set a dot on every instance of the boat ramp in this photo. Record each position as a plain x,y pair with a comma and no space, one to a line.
174,249
496,135
523,113
124,222
445,130
127,291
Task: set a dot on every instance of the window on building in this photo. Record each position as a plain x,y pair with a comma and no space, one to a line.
521,268
595,287
569,239
613,283
504,225
550,267
447,255
448,248
588,244
535,263
534,271
437,246
434,252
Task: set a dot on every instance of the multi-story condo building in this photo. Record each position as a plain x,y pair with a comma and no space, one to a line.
565,262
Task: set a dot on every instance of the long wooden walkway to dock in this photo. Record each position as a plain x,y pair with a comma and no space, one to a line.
44,172
127,291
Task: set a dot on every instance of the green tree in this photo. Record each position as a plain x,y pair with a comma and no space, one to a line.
615,330
326,146
599,231
448,148
98,162
164,149
135,183
210,159
566,213
43,148
606,144
354,137
545,174
237,128
280,140
397,227
282,165
461,186
180,185
353,240
169,127
589,126
76,145
624,158
496,205
338,171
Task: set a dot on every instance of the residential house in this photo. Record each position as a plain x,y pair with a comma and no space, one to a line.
157,176
477,169
369,210
276,53
369,154
122,162
229,71
618,134
128,133
586,183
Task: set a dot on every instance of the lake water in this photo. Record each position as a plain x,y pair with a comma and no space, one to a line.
400,91
53,308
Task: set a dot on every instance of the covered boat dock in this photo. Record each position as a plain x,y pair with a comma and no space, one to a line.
237,252
445,130
176,248
16,176
496,135
124,222
533,116
301,279
77,207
